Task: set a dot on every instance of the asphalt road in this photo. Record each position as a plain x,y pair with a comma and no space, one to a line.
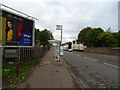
98,70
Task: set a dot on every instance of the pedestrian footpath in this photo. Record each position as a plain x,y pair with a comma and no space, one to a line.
49,74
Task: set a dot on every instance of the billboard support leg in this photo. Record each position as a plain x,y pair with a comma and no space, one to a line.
17,68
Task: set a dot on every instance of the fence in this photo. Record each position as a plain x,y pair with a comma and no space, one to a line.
27,52
22,56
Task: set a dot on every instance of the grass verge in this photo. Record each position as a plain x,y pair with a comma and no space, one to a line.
9,72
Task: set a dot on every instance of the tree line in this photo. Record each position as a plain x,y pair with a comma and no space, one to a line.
42,37
97,37
91,37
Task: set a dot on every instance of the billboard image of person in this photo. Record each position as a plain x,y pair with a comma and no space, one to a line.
9,30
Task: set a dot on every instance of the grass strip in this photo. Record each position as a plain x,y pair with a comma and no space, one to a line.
9,70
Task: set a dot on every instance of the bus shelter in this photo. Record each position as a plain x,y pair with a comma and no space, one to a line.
56,44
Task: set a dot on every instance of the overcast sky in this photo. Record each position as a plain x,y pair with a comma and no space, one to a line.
74,15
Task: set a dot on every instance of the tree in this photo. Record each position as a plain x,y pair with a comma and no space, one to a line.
82,35
107,40
37,40
88,36
117,36
97,37
92,40
43,36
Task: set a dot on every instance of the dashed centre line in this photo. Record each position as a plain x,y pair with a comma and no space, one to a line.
104,63
97,60
94,60
111,65
91,59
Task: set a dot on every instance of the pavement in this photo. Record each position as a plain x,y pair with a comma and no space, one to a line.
48,74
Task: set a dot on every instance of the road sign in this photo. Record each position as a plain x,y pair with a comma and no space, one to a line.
58,27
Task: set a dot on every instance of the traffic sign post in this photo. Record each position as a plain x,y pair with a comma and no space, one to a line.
60,27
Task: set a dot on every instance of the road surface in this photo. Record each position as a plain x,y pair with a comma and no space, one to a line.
98,70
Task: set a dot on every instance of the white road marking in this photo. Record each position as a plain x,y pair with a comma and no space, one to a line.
97,60
94,60
86,57
91,59
71,52
111,65
104,63
77,55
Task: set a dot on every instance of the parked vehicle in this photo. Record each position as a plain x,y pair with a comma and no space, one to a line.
70,50
65,49
74,46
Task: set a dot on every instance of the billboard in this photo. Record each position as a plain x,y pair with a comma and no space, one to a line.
16,28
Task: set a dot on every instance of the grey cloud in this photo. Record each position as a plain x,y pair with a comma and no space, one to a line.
74,16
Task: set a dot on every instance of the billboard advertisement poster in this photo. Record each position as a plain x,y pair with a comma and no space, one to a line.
16,28
26,36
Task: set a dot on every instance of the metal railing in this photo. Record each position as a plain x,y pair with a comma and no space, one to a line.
23,52
20,54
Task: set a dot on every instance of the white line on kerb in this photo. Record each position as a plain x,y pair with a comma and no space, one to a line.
111,65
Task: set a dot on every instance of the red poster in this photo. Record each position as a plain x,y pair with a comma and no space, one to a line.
20,26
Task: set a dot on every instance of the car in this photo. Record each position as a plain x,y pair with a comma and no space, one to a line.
65,49
70,50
